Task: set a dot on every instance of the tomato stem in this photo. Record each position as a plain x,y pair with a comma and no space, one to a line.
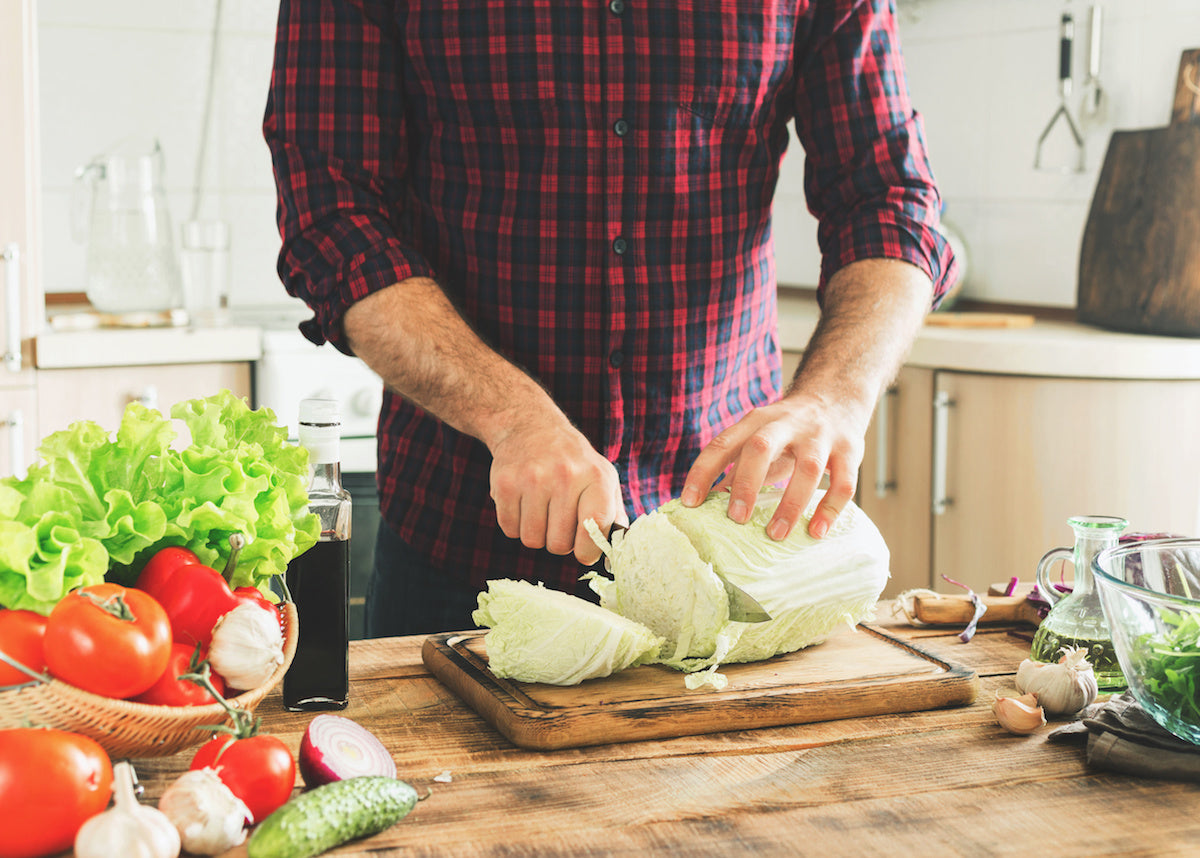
244,724
28,671
114,604
236,543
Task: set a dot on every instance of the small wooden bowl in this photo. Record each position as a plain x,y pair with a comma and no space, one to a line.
128,729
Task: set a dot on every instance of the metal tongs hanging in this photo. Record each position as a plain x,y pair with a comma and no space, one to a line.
1066,41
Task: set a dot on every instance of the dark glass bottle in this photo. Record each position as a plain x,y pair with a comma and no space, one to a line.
319,579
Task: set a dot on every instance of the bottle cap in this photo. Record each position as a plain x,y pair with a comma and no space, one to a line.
320,429
321,412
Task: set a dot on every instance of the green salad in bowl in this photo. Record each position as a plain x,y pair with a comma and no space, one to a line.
1151,596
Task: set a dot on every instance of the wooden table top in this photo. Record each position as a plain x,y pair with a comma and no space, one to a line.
945,782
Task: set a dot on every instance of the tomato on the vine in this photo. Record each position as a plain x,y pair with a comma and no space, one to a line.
21,637
171,690
259,769
51,782
194,596
108,639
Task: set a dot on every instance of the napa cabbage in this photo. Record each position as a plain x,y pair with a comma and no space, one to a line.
663,576
543,635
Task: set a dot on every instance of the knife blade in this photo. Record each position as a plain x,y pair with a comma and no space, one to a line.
743,608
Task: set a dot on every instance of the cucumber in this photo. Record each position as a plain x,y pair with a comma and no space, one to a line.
330,815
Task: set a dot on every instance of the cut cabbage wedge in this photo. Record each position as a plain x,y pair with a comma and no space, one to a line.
665,579
543,635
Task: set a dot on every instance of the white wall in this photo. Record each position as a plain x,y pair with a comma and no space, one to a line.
138,69
982,72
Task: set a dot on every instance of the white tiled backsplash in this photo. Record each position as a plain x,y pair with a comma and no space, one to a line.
983,73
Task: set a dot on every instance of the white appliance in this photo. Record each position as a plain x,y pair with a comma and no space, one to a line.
293,369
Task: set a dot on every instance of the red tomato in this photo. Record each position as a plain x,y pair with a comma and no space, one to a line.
170,690
51,782
108,639
194,596
260,770
21,635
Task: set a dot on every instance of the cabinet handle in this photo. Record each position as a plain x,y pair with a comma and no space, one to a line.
883,431
942,403
147,397
16,443
12,307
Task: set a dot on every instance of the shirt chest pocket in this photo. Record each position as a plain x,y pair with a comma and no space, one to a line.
737,60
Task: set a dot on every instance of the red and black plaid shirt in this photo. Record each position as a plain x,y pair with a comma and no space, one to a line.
591,183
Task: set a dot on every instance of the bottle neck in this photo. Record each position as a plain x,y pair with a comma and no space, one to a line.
323,443
326,478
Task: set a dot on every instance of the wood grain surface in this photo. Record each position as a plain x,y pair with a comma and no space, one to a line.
855,672
1139,257
943,782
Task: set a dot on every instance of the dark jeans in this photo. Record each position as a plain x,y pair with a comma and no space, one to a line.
406,596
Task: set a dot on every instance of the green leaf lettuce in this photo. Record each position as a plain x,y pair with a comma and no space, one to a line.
95,506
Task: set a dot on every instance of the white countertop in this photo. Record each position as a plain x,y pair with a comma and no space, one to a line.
1047,348
146,346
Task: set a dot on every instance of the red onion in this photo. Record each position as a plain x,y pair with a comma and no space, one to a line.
335,748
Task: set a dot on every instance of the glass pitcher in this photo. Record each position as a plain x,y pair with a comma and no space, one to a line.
1077,618
121,213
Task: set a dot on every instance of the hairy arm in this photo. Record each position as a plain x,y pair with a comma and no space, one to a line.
546,478
871,313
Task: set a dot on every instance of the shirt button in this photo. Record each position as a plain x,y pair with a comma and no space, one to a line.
619,246
616,6
616,358
620,127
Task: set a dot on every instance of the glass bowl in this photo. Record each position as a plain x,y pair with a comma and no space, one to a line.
1150,592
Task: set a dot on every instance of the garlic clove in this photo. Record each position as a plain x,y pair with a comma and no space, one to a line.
1021,715
247,646
128,829
210,819
1063,687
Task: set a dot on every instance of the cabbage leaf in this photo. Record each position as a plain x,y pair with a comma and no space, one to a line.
543,635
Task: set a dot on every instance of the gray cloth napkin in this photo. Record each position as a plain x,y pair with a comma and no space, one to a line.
1121,737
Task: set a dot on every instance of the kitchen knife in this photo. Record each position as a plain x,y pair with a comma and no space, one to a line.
743,608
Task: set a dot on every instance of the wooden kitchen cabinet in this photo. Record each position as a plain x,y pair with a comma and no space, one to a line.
982,471
101,393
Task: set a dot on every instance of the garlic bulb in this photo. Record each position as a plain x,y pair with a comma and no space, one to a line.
1063,687
127,829
247,646
210,819
1020,715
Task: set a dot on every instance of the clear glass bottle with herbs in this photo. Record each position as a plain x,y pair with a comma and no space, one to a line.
1076,619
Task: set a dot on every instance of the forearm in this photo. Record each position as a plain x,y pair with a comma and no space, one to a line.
423,349
871,312
546,478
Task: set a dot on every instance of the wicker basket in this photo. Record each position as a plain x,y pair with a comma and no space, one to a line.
128,729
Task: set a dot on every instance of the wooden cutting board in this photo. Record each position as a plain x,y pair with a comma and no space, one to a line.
1139,263
855,673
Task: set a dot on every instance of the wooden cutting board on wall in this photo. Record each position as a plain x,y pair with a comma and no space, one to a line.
1139,264
855,673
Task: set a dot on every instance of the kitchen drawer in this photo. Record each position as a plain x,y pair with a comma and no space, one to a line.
101,393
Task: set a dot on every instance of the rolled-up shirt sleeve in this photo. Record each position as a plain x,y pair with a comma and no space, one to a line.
336,130
867,178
